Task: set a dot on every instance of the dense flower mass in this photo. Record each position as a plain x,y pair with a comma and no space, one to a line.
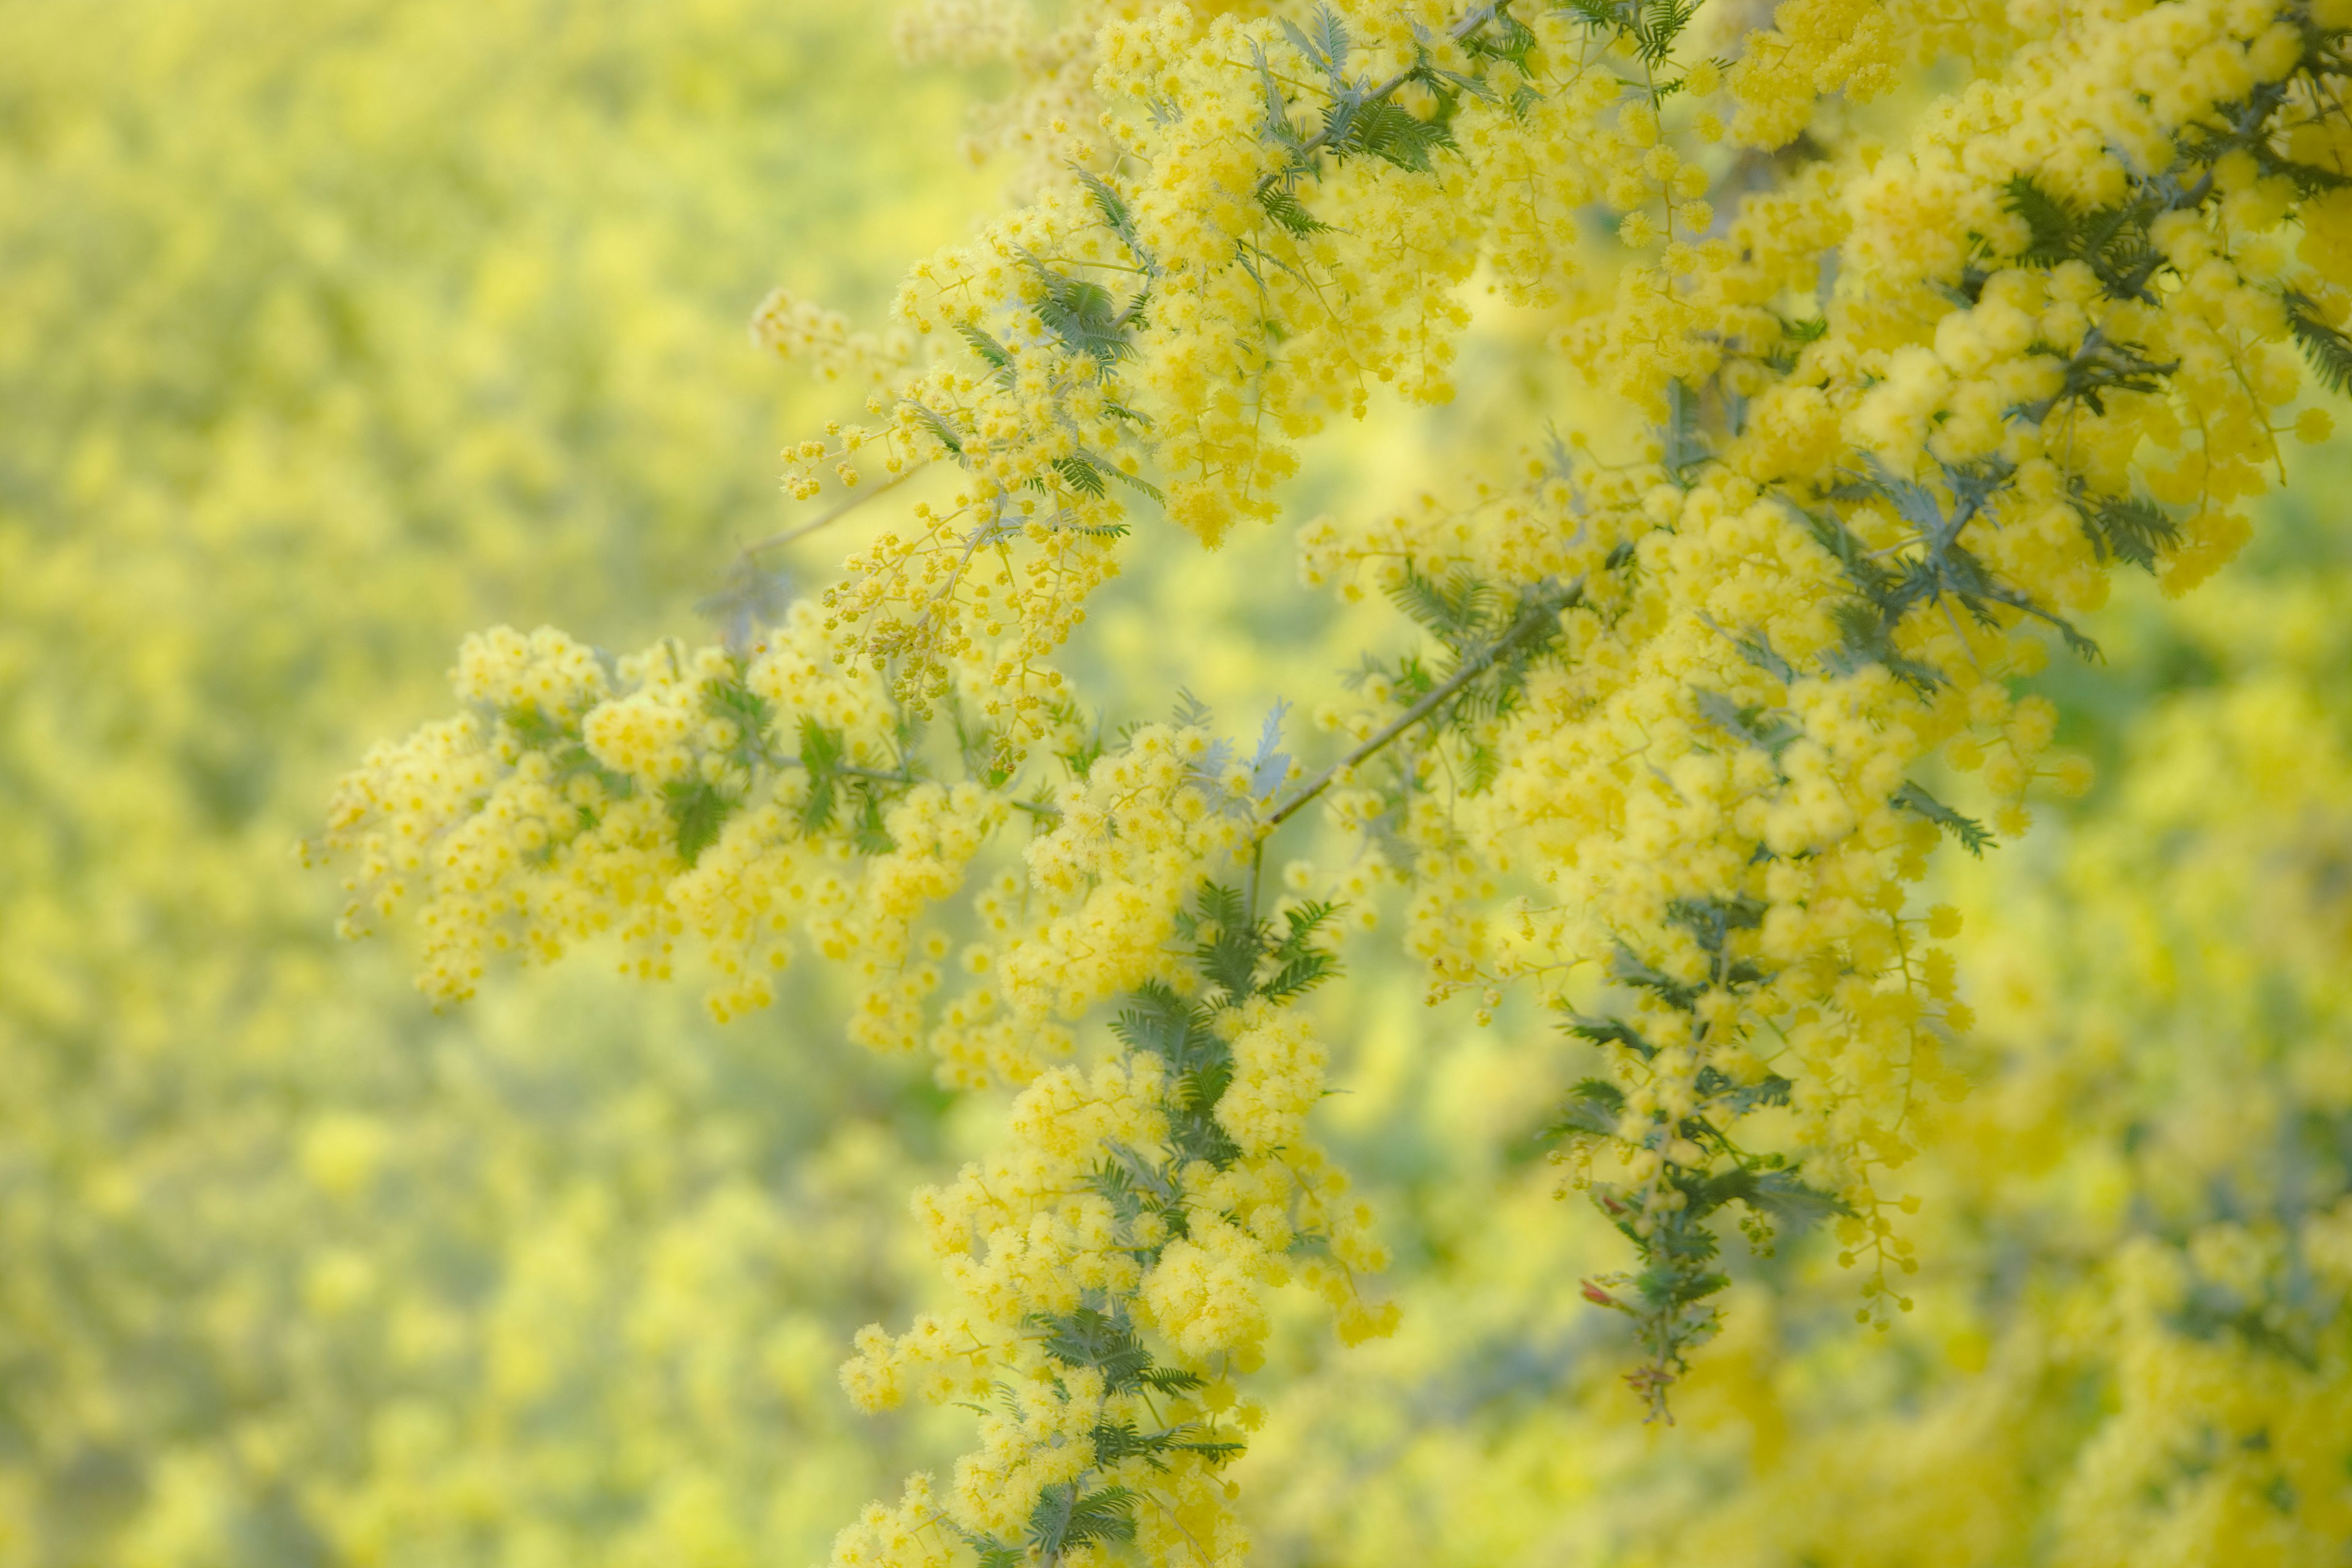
1862,409
2129,1343
1709,438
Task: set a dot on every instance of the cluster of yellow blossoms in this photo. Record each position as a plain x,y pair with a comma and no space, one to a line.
1868,409
2131,1345
1167,1193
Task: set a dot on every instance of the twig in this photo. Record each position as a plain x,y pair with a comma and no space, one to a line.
838,513
1541,612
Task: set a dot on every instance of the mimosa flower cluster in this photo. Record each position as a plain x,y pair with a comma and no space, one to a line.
1113,1266
337,331
2154,1152
1861,425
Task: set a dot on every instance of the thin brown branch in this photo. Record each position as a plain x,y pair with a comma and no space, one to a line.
835,513
1539,614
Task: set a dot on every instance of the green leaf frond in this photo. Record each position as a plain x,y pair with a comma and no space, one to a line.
1972,835
1064,1518
1455,611
2325,348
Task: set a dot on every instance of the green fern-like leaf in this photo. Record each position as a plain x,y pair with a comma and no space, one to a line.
1229,951
1106,1343
697,811
1081,476
1390,133
1749,724
748,712
1083,315
1455,611
2047,220
992,353
2129,528
1790,1204
1114,211
1299,975
1804,332
867,834
1286,209
821,753
2328,351
1064,1518
1656,25
1591,1109
2112,241
1628,968
990,1553
1973,836
1504,38
1324,42
1132,482
946,432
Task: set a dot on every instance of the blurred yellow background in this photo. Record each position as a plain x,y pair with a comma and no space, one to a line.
329,331
332,331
